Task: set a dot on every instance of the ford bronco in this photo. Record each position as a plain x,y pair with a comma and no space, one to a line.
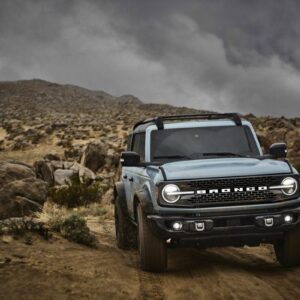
203,180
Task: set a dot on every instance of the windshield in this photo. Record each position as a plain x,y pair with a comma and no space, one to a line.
202,142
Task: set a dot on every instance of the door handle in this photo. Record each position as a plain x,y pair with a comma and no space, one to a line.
125,177
131,179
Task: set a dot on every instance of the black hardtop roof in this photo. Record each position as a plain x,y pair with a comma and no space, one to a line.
159,121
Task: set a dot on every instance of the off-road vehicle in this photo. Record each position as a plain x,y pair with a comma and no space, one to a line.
203,180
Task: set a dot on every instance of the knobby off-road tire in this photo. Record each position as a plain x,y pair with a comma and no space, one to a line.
126,232
152,249
288,250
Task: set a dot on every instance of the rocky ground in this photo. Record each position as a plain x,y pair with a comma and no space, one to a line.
59,269
54,136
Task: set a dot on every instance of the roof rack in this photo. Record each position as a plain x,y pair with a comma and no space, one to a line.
159,121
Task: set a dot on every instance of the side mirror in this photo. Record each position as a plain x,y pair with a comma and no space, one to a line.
278,150
130,159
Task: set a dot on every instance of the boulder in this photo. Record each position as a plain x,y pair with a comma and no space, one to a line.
31,188
17,206
63,176
86,175
112,161
68,164
57,164
10,171
21,193
76,166
62,172
44,170
93,156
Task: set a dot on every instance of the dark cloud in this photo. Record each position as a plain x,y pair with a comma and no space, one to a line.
229,55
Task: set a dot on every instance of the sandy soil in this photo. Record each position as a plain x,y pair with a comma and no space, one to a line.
58,269
2,133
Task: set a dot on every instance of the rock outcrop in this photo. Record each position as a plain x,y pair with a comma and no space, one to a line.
63,172
21,192
93,156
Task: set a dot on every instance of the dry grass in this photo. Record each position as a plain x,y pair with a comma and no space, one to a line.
53,213
71,223
33,153
2,133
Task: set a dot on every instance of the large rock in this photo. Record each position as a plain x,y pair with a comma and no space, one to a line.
85,174
62,172
30,188
17,207
64,176
10,171
93,156
21,193
44,170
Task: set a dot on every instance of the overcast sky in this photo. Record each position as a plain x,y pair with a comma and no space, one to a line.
233,55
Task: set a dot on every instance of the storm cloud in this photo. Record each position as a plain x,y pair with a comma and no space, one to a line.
220,55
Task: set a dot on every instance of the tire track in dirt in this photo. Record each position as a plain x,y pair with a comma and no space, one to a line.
228,273
150,284
261,263
215,273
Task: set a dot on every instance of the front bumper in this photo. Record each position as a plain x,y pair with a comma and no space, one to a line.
226,229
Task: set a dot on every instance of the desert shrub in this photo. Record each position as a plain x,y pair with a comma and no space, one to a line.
74,229
76,194
21,226
95,210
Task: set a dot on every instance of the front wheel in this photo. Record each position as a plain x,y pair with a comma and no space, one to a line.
152,249
288,249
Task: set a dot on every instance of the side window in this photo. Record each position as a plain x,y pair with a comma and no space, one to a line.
139,144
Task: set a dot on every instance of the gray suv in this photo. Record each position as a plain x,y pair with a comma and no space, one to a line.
202,180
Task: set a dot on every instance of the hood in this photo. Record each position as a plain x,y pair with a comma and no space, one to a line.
224,167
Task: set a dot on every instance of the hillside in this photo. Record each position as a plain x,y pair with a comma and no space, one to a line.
48,130
56,117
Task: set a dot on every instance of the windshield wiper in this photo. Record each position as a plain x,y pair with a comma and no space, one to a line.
171,157
222,154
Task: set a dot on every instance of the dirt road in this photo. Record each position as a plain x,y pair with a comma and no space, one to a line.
58,269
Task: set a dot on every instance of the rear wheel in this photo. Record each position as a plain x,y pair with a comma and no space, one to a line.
152,249
126,233
288,250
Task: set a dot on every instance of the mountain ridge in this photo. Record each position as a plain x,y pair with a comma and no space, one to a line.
36,112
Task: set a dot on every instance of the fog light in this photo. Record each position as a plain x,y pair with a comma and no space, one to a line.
177,225
288,219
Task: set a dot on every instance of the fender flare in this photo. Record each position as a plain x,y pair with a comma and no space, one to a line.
119,191
143,197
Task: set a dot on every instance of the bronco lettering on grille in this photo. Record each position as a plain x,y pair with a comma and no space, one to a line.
232,190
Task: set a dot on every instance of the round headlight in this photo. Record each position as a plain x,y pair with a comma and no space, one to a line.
290,186
169,193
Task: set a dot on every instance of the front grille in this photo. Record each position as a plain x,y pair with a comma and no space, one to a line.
229,198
